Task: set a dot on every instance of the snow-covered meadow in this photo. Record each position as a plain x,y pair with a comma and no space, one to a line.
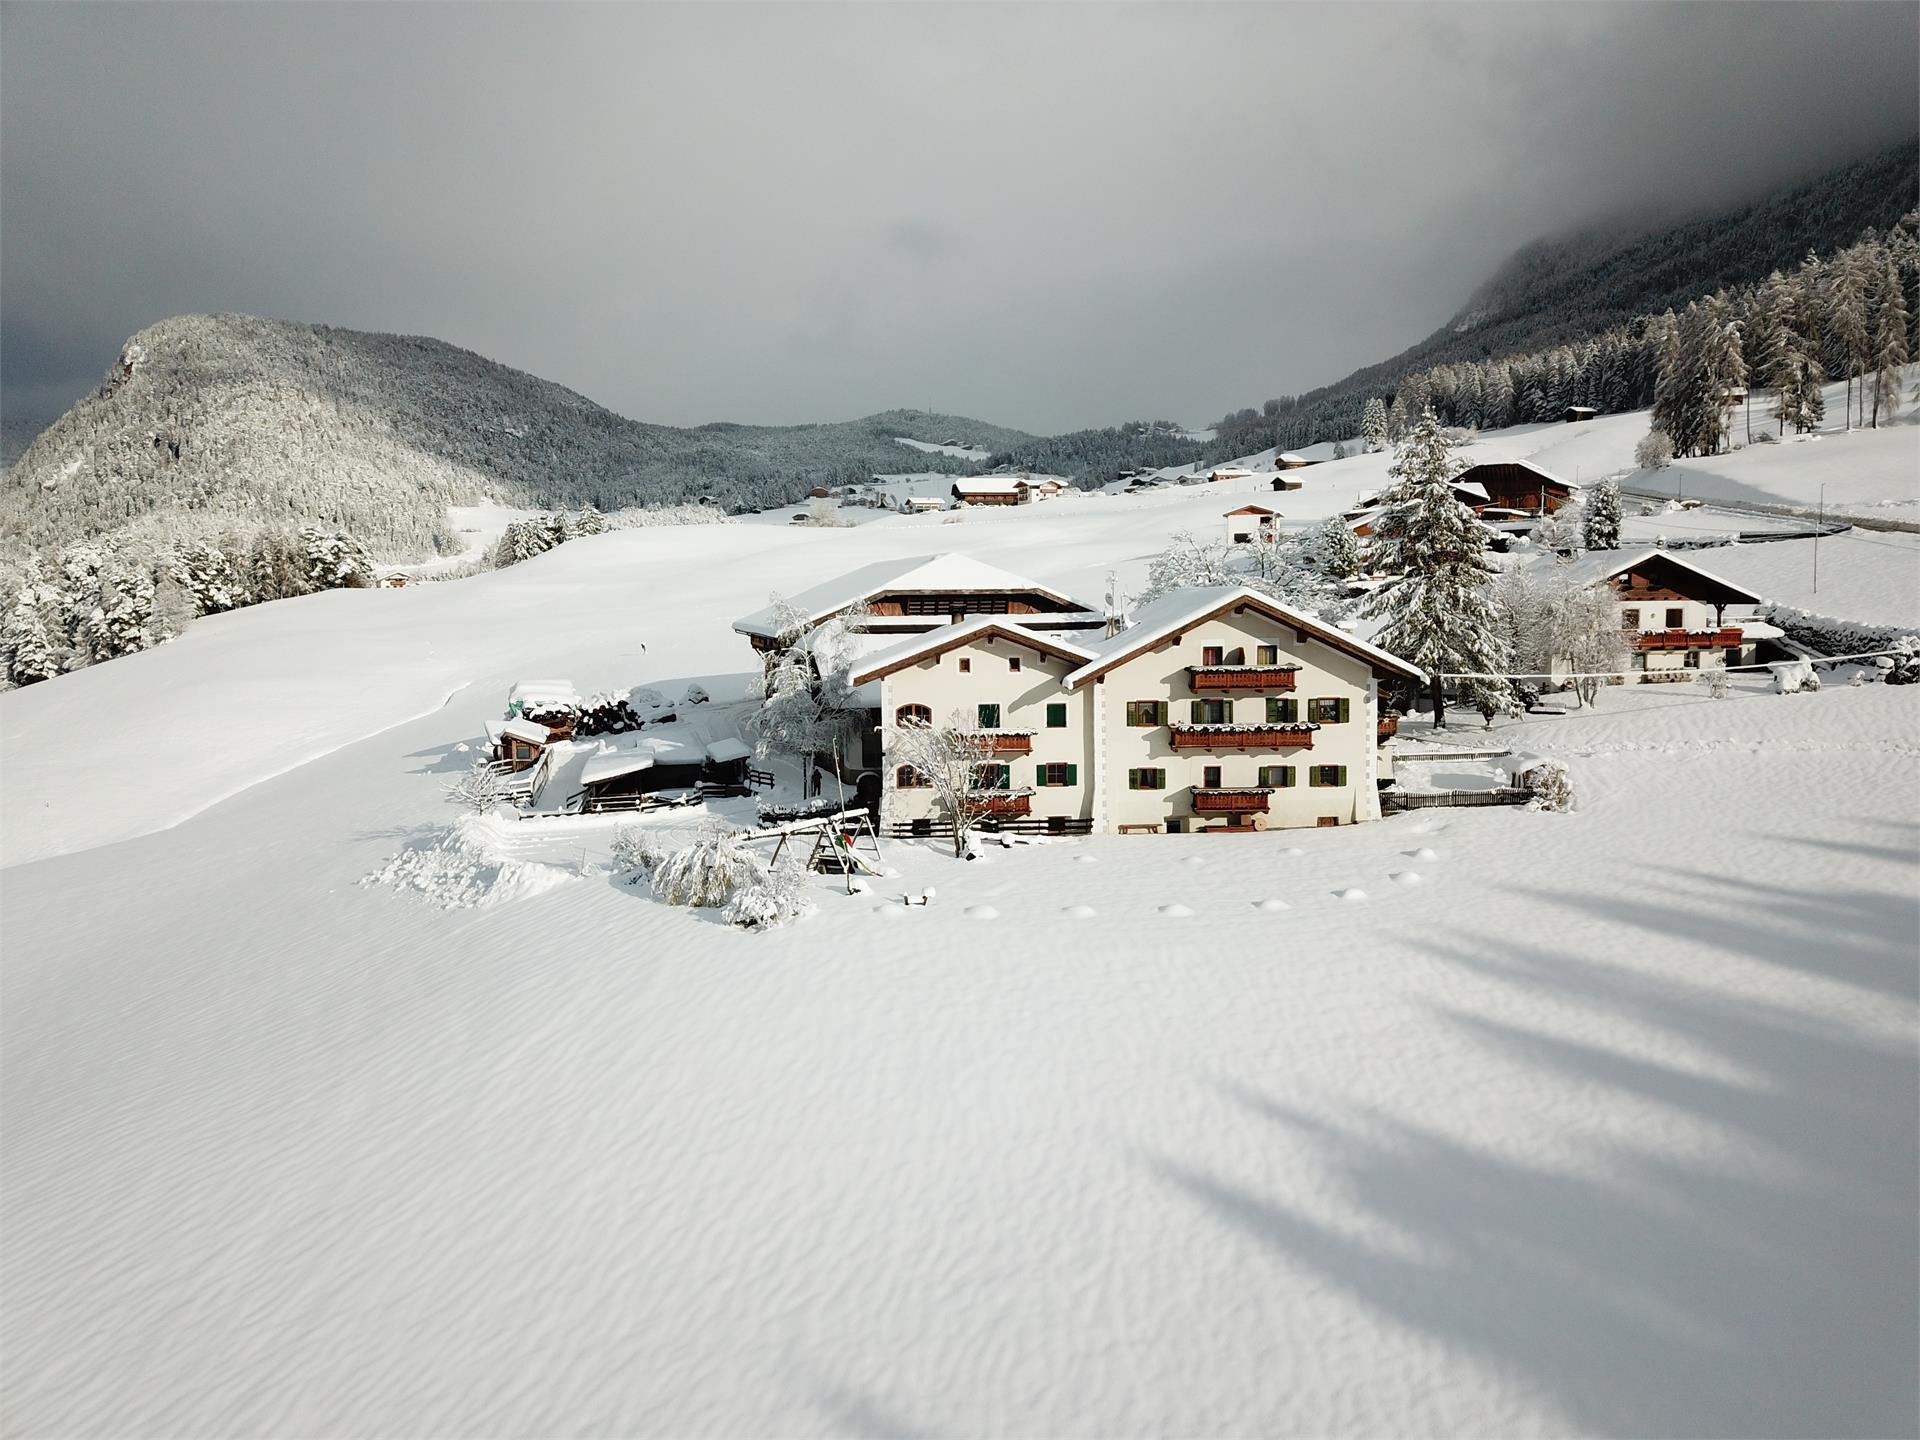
1477,1121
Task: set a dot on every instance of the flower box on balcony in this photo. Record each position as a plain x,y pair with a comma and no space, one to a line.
1240,679
1230,802
1726,638
1243,737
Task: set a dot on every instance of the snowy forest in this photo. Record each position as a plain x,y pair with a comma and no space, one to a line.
1551,307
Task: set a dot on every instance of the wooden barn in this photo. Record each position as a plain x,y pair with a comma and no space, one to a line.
1517,485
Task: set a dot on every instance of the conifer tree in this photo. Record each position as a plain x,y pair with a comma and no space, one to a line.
1849,326
1889,352
1603,516
1373,424
1438,613
29,632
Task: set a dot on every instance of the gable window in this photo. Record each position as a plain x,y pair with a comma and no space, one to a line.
1057,773
966,665
1146,712
1276,777
1057,716
1212,712
1283,712
1210,778
989,717
913,715
1266,654
1630,618
1146,779
1326,775
1213,655
1676,618
1328,711
908,778
1013,662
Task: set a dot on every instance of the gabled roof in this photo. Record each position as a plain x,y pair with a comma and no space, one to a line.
946,637
1597,566
940,574
1251,510
1183,609
1546,475
528,731
1010,486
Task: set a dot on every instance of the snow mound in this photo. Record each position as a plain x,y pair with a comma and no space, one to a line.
1293,850
468,864
1271,905
889,909
1087,859
1425,852
981,912
1351,893
1405,877
1193,860
1175,909
1078,912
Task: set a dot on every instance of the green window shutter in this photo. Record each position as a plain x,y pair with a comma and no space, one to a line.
1056,717
1340,771
1273,711
1226,712
1344,707
1073,774
1040,775
1313,775
1199,712
1286,776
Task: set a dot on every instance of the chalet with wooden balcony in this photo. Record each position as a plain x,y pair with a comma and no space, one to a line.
1678,617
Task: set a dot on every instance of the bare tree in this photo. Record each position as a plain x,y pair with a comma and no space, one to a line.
953,760
480,787
1586,630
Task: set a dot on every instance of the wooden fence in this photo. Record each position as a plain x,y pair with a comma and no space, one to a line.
1026,825
1393,802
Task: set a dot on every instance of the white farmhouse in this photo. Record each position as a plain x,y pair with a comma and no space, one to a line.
1675,613
1249,523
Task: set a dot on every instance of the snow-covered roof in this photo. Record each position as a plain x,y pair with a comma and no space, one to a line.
725,750
1251,510
527,730
882,663
948,573
1473,488
611,764
1182,609
1544,473
1288,457
544,695
1010,486
1599,565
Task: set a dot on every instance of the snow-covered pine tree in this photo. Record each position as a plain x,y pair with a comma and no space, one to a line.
1849,322
1334,549
116,624
1398,417
1438,614
30,639
1373,424
1603,516
1888,355
209,577
1564,532
1339,450
590,521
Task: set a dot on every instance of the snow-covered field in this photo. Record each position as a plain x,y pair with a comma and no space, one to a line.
1603,1122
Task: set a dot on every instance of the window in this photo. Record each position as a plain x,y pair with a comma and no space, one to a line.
966,665
913,715
1266,654
1146,779
989,717
1676,618
1283,712
1145,712
1691,661
1327,775
1276,777
1630,618
1327,822
1213,655
1057,773
1013,662
1212,712
1057,716
1327,711
1638,660
993,777
1210,778
908,778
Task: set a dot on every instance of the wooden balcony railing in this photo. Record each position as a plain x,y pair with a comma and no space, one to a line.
1003,806
1386,728
1007,742
1243,737
1725,638
1230,802
1241,679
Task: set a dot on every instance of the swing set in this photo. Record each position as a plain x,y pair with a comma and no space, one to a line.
838,843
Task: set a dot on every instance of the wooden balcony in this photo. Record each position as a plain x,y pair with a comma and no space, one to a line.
1240,679
1386,728
1725,638
1006,742
1243,737
1229,802
1002,807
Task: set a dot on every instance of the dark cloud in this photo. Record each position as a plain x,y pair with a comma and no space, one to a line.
1050,216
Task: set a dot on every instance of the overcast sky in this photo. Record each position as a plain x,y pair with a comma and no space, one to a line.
1046,216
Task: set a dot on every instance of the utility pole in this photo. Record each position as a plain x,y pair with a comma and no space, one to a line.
1822,525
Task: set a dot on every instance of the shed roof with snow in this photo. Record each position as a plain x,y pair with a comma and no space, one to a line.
946,574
